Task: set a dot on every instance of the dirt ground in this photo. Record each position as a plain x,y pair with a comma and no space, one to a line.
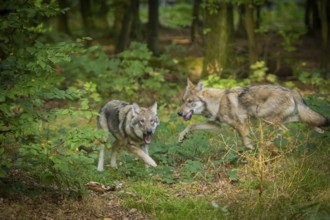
21,197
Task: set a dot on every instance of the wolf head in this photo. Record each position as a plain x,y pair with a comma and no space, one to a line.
192,103
145,121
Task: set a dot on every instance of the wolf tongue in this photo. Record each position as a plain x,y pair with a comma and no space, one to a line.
147,139
188,115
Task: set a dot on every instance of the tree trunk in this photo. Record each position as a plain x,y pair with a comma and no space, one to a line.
136,25
102,13
218,39
316,23
324,35
312,19
126,28
250,30
195,35
241,31
119,11
63,25
153,26
258,16
85,10
307,15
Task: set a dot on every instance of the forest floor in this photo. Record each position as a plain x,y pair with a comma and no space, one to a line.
26,199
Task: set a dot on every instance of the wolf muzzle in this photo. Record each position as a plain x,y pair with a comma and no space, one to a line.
186,116
147,136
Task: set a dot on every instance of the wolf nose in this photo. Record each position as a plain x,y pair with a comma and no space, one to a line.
180,113
149,132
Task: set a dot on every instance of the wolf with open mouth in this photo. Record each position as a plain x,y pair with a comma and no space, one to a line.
132,126
275,105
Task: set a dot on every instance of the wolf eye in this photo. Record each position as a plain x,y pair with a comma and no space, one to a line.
189,101
142,121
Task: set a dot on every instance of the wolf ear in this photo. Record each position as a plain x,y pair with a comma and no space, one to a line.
135,109
189,83
200,85
153,108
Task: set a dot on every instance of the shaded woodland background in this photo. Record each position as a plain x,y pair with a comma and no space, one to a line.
61,60
215,26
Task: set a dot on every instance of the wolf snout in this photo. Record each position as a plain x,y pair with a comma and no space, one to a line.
149,132
187,115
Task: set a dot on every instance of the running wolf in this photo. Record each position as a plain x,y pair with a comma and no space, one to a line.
132,126
273,104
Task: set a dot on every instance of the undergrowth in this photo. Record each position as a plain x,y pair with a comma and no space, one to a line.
208,176
49,97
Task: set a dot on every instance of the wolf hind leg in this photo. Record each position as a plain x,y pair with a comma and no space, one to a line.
293,118
276,123
280,124
296,118
244,131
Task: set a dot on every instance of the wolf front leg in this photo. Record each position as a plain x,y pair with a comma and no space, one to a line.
101,159
205,126
114,151
145,149
100,164
143,155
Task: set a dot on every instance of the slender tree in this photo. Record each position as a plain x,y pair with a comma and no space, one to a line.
136,34
119,7
312,18
250,30
126,27
324,13
218,37
153,26
240,29
196,22
102,9
62,21
130,25
86,15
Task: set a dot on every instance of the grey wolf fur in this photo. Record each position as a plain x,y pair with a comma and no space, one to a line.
274,104
133,128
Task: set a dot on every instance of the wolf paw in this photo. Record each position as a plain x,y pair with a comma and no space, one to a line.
182,136
150,162
153,164
113,165
319,130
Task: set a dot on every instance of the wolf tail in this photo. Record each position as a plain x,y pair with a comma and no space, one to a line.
308,115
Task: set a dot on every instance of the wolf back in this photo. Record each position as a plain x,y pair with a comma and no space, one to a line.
276,104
